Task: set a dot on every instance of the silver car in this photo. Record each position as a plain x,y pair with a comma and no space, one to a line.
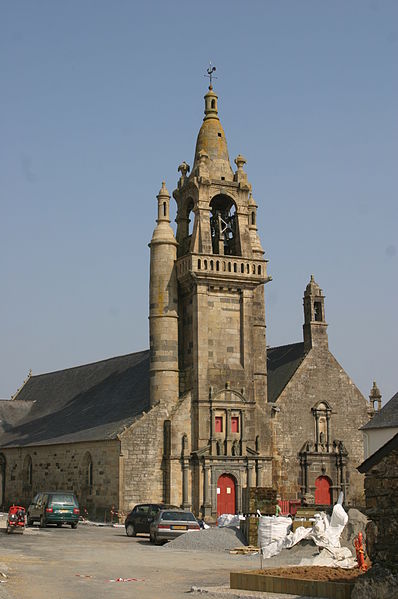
170,524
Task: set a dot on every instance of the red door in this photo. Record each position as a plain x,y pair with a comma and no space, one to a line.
226,495
323,494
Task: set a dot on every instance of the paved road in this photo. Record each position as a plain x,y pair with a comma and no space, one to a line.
46,563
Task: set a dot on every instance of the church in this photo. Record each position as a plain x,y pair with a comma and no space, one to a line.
208,410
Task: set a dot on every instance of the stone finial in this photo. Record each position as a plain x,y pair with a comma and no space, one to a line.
313,287
240,161
163,191
184,169
375,396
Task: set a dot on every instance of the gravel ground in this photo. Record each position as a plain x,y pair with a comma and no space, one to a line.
210,539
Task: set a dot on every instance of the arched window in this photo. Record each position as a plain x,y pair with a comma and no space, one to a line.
224,226
213,103
28,471
87,471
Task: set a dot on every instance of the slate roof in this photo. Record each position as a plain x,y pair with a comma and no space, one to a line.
387,417
97,401
378,455
282,363
86,403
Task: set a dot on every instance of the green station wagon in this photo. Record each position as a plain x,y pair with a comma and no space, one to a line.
54,507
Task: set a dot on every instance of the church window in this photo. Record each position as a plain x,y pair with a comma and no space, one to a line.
217,265
234,424
90,474
235,267
222,178
229,266
253,218
318,311
213,103
164,208
218,424
242,268
199,264
219,134
205,264
259,270
28,470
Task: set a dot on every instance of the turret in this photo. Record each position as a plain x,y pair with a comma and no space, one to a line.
163,304
315,326
375,397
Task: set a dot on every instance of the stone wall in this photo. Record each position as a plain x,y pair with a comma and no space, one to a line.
381,490
29,470
319,378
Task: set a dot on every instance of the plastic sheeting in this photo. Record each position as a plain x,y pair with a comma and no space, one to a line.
274,534
229,520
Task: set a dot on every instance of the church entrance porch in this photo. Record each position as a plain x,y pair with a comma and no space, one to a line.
226,495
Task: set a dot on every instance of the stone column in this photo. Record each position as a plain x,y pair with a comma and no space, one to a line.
328,430
185,483
316,431
250,475
259,474
228,433
206,494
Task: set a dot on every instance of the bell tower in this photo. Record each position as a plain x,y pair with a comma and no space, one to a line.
221,271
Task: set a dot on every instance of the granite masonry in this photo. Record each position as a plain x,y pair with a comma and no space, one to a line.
208,411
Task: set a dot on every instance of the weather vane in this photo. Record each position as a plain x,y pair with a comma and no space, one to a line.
210,75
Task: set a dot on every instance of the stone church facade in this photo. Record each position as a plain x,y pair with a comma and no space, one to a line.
208,410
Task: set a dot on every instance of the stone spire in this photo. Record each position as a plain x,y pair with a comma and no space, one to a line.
375,397
211,145
315,326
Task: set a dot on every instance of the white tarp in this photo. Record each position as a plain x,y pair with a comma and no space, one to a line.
273,536
229,520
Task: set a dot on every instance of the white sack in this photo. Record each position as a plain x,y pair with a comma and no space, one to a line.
228,520
272,531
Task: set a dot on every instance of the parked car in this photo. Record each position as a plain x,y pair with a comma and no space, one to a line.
54,507
141,516
170,524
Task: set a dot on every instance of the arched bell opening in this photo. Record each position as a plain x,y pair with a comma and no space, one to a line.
224,226
185,221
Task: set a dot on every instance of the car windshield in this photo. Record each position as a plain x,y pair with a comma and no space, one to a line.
174,516
63,500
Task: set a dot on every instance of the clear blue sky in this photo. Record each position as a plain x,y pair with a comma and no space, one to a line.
100,101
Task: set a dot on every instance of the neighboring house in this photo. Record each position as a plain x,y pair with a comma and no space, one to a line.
207,410
384,424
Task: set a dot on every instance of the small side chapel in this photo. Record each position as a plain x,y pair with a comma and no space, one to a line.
208,410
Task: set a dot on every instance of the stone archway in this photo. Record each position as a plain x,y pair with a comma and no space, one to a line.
323,492
226,494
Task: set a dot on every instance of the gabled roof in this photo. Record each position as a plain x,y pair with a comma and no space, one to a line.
86,403
282,363
387,417
378,455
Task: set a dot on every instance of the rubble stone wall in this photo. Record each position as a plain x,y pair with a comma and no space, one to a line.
381,490
319,378
66,467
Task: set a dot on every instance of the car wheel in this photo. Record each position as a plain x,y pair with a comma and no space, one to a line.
73,525
59,524
156,540
29,522
130,530
43,523
151,539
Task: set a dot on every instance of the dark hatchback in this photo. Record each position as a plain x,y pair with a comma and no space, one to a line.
141,516
54,507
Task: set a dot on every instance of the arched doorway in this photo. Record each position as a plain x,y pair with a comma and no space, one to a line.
226,495
323,494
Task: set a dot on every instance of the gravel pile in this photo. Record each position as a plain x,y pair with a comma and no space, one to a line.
210,539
